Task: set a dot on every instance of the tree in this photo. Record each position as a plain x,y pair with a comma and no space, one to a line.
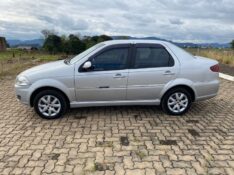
90,41
104,38
46,33
75,45
232,44
123,37
8,45
53,44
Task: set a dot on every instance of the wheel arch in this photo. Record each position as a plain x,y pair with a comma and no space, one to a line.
187,87
40,89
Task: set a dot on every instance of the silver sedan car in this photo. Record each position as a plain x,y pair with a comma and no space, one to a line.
120,72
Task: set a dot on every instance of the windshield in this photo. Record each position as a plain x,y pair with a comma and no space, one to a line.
86,52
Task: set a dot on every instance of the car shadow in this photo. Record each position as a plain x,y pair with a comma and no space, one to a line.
197,109
80,113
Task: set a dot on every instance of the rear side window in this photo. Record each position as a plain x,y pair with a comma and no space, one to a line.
113,59
149,57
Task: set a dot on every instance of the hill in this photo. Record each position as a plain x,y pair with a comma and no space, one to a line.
34,42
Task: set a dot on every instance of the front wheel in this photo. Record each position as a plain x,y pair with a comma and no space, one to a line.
50,104
176,101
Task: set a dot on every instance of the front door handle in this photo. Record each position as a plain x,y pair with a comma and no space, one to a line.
168,72
118,75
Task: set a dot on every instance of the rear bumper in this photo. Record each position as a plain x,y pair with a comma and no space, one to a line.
206,97
206,90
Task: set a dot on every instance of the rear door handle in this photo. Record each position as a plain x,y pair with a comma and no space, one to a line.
168,72
118,75
104,87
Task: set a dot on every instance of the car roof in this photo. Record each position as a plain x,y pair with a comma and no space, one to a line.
111,42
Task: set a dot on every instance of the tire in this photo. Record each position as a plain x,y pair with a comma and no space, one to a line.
170,100
52,102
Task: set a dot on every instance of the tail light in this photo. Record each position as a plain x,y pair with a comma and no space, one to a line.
215,68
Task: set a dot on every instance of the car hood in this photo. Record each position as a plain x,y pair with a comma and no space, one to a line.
48,70
44,67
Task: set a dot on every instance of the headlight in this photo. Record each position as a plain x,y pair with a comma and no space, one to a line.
22,81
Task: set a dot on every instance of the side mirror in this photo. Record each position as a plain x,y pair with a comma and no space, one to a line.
87,65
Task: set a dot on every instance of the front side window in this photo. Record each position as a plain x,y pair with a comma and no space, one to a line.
86,52
113,59
149,57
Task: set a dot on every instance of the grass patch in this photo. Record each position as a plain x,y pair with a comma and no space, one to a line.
15,61
140,154
15,54
14,69
136,140
105,144
225,56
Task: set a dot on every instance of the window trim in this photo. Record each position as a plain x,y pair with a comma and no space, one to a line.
107,48
142,45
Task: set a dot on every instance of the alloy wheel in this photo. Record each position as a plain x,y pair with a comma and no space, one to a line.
49,105
178,102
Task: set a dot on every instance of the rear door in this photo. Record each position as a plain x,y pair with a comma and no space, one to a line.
151,69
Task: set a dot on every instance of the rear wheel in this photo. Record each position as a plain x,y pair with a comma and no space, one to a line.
50,104
176,101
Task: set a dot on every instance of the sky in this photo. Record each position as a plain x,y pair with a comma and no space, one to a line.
177,20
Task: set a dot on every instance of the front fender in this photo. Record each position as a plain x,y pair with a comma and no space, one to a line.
67,89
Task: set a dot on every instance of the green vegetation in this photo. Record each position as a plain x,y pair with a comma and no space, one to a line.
232,44
53,44
225,56
72,44
16,54
14,61
105,144
141,154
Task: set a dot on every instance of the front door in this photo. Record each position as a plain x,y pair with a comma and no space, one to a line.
152,68
107,79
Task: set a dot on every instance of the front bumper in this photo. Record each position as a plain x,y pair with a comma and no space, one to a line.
22,94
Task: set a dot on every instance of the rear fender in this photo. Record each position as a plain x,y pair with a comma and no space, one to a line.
178,82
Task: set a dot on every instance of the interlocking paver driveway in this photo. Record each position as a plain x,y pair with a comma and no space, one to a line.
118,140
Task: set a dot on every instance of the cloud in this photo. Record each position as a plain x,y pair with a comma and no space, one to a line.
65,22
184,20
176,21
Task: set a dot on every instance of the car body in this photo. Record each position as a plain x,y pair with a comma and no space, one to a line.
121,72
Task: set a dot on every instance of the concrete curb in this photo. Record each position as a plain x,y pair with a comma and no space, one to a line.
226,77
